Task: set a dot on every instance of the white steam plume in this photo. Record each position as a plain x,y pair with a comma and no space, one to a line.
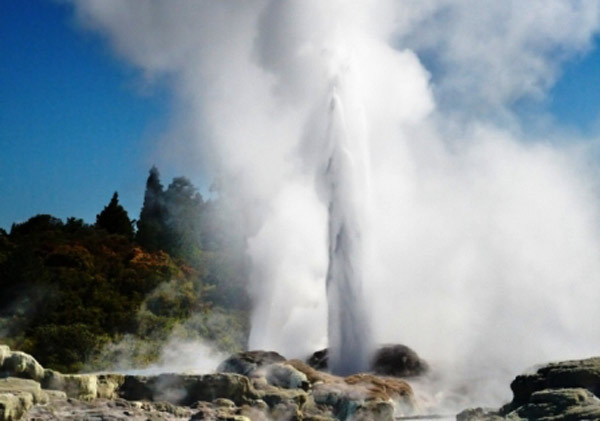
479,247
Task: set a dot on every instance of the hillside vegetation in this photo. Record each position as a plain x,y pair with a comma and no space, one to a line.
71,290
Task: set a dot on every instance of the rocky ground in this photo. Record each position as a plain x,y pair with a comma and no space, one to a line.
263,385
564,391
247,386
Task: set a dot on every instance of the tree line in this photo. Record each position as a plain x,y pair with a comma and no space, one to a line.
70,289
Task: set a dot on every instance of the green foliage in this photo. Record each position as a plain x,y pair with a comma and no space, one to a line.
58,276
151,226
65,347
184,214
74,293
114,219
170,220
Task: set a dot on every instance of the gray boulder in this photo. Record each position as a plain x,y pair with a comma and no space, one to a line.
352,402
17,396
479,414
388,360
247,362
563,391
20,364
4,352
286,376
181,389
79,386
566,374
398,361
559,404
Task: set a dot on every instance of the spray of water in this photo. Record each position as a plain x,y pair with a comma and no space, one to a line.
349,331
384,201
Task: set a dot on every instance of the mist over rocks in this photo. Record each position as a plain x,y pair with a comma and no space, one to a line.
379,138
247,361
389,360
398,361
561,391
273,389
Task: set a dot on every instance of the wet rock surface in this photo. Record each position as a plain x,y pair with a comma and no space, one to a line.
252,386
566,374
398,361
265,386
563,391
17,396
247,362
389,360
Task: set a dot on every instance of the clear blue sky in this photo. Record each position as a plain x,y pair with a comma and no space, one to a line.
75,127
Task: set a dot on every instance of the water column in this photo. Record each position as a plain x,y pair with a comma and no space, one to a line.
345,182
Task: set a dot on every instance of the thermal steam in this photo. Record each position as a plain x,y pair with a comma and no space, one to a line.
347,159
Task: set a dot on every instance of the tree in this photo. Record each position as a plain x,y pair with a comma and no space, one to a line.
184,205
151,226
170,219
114,219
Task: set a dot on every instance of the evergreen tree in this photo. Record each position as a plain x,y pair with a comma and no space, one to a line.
152,230
185,207
114,218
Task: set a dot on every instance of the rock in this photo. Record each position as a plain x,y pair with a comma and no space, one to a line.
108,385
203,410
257,411
52,380
388,360
14,405
384,389
224,403
559,404
104,409
311,374
20,364
55,395
286,411
560,391
17,396
319,360
374,410
398,361
4,352
274,396
319,418
349,401
286,376
479,414
137,388
16,385
79,386
276,389
245,363
206,411
567,374
187,389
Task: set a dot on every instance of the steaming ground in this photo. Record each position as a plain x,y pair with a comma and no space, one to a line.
481,247
179,356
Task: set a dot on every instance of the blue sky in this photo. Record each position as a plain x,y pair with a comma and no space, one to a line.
76,124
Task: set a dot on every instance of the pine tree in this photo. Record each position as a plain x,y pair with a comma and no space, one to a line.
152,230
185,206
114,218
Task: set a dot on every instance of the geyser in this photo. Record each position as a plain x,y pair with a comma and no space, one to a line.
416,196
349,332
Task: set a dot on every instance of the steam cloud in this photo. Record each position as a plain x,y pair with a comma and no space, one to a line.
480,247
